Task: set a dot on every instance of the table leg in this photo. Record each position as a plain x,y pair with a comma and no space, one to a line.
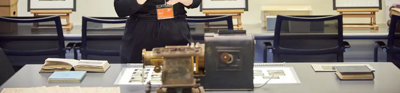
206,24
68,22
239,20
35,25
265,19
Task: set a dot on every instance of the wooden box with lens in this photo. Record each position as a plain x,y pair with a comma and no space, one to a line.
229,62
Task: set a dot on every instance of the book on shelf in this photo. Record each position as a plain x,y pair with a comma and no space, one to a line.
67,77
354,73
61,64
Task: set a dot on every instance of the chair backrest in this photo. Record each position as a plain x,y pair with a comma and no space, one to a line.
393,51
30,40
201,24
204,19
308,39
101,38
6,69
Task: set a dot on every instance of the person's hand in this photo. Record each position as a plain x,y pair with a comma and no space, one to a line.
184,2
173,2
141,2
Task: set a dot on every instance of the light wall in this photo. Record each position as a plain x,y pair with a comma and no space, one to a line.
101,8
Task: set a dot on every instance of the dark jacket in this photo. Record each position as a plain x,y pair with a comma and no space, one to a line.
132,8
144,31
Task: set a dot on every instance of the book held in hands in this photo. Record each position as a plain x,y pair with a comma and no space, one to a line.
61,64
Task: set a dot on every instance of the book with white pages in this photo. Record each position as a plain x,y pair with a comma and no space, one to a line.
92,65
61,64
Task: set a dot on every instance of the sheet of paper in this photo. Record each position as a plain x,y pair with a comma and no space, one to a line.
275,75
133,76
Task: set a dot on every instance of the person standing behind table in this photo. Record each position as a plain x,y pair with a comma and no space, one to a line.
145,30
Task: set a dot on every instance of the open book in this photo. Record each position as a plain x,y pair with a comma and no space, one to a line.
60,64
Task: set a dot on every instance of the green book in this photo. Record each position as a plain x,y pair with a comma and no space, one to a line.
353,69
67,77
354,73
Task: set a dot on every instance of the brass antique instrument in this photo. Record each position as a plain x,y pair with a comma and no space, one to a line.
224,62
176,65
150,58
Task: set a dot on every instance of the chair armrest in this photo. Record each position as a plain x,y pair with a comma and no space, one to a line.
381,44
70,45
346,44
78,45
268,45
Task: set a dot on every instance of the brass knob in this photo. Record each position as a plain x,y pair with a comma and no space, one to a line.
227,58
157,69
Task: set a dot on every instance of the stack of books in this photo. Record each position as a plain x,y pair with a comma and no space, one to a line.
60,64
354,73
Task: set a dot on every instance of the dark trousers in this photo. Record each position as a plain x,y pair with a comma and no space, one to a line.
147,33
